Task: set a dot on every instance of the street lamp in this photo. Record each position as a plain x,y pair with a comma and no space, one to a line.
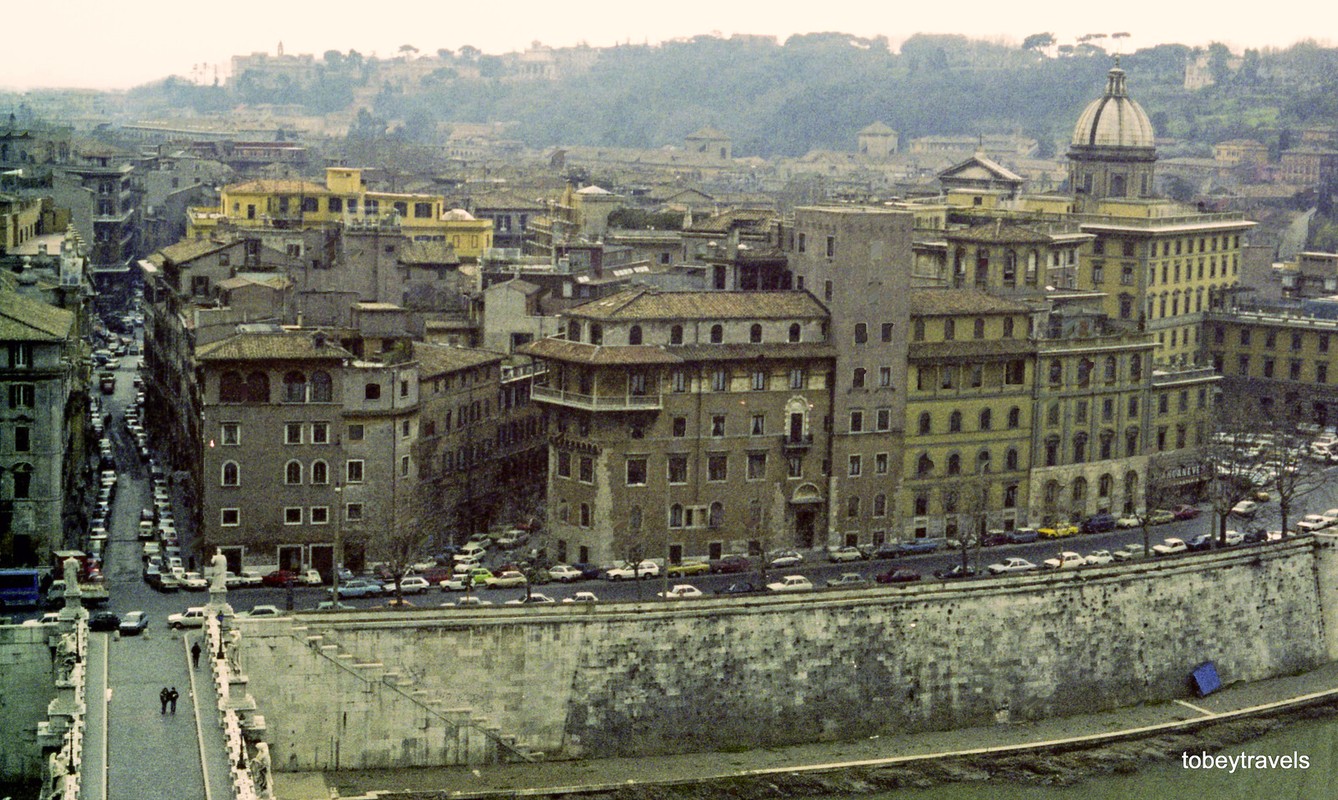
338,545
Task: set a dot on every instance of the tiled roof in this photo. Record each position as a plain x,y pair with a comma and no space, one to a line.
277,282
970,348
999,232
25,319
436,359
741,352
189,249
951,302
631,355
277,187
299,345
644,303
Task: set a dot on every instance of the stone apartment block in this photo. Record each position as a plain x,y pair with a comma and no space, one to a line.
687,424
1284,363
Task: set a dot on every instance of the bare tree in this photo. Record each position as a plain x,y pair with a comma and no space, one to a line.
972,502
1290,472
1235,459
399,548
1160,491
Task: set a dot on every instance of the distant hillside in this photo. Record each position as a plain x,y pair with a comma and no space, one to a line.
813,91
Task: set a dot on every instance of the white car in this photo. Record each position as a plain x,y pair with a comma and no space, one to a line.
791,583
190,618
470,601
310,577
262,611
1131,552
1170,547
646,569
581,597
843,554
1066,560
1131,521
787,558
1097,557
1312,522
534,599
564,573
509,578
413,584
682,591
1245,508
193,582
1011,565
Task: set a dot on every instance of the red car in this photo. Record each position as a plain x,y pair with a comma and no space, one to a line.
897,576
1185,512
731,564
279,578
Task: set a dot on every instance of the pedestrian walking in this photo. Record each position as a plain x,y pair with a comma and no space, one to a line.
162,699
172,698
195,656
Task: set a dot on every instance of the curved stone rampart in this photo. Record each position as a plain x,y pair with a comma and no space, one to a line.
624,679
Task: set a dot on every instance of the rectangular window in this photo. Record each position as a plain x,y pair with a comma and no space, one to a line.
587,467
757,466
292,433
230,434
678,469
856,421
292,515
1321,373
831,246
353,471
759,381
320,515
230,517
880,463
636,472
1080,411
320,432
353,512
759,427
21,395
679,381
718,425
717,468
719,380
856,464
795,467
884,420
404,466
861,333
886,332
563,464
355,433
797,378
885,377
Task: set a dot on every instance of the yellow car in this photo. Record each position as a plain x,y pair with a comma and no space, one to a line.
688,568
1059,530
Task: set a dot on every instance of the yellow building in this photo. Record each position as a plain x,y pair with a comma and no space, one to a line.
344,199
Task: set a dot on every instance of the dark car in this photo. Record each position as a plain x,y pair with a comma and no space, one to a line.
1022,536
954,573
104,621
1185,512
739,588
589,572
730,565
897,576
1203,541
280,578
1098,523
887,550
993,539
913,547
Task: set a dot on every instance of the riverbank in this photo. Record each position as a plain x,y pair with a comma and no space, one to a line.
1056,751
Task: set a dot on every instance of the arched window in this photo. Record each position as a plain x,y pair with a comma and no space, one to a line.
1010,459
322,388
925,425
954,464
794,331
573,331
924,465
257,387
1051,493
320,473
596,333
1136,368
955,422
232,474
983,461
1079,492
986,419
675,516
717,517
1110,368
717,334
564,512
231,388
1131,443
294,387
23,481
634,335
676,334
1014,417
1080,448
755,333
1105,485
292,473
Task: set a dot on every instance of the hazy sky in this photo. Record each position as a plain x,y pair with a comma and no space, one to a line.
123,43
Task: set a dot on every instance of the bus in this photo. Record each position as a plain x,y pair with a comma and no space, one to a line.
20,588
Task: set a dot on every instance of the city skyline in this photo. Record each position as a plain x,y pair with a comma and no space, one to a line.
149,40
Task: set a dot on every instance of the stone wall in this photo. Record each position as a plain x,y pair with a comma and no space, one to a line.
27,686
649,678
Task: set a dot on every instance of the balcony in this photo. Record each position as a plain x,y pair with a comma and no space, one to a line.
598,402
791,443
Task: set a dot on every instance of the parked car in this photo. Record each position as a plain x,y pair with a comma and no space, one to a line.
687,568
471,601
731,565
994,539
1129,521
1203,541
915,547
588,571
886,550
1234,538
791,583
104,621
1131,552
1098,557
644,569
310,577
1065,560
786,558
739,588
1245,508
1098,523
414,584
466,578
955,572
134,622
279,578
193,582
899,575
533,599
508,579
1009,565
190,618
845,554
849,580
1185,512
359,587
1161,516
1023,536
1170,547
1058,530
262,611
564,573
581,597
682,591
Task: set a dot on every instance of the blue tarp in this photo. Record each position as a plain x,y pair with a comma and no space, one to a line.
1205,679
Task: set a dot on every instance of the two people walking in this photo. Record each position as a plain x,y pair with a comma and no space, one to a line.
168,697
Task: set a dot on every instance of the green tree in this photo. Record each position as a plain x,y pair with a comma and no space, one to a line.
1038,41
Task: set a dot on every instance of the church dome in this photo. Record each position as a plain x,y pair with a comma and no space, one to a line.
1114,119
